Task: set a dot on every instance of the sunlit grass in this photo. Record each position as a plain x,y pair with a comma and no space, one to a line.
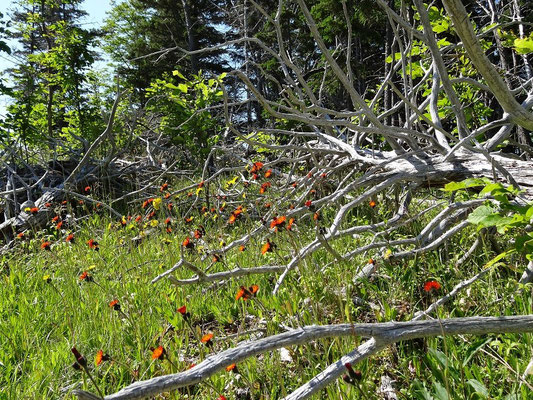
46,309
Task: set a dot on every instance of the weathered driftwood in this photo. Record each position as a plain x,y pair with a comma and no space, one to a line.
380,335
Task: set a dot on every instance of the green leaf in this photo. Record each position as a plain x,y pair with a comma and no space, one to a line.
523,46
479,214
478,387
440,391
179,74
467,183
490,188
183,87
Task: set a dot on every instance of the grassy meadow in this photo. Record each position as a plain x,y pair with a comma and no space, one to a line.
99,297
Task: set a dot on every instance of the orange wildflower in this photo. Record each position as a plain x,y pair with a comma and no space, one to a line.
278,222
264,187
158,353
93,244
431,285
256,167
267,247
100,357
206,339
231,367
247,293
291,223
115,304
187,243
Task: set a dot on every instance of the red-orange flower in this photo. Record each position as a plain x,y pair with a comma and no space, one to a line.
431,285
146,203
264,187
20,235
206,339
34,210
242,247
100,357
48,205
93,244
163,187
70,238
187,243
87,189
46,245
198,234
158,353
268,174
222,397
182,310
86,277
278,222
138,218
231,367
216,258
201,185
291,223
168,221
115,304
267,247
316,216
55,219
59,225
308,203
167,195
372,203
188,220
247,293
256,167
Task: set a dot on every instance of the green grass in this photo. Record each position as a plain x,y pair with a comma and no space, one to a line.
45,309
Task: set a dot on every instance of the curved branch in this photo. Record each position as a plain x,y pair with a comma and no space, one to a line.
382,333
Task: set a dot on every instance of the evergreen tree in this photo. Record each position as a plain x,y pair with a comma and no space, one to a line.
49,94
139,31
